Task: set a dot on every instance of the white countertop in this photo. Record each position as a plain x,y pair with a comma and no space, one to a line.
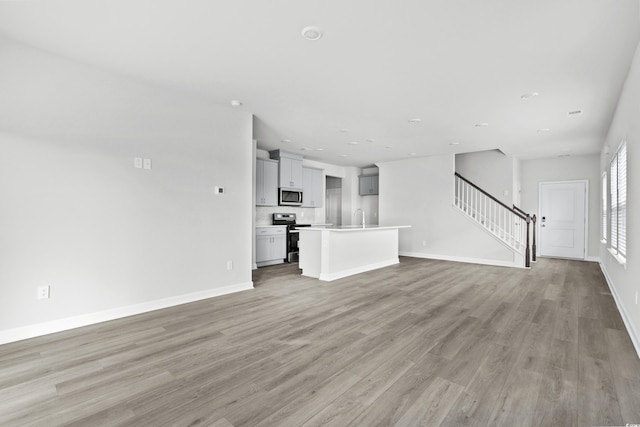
353,227
270,226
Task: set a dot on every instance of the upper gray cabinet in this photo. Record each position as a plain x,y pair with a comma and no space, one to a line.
312,189
290,175
266,182
368,185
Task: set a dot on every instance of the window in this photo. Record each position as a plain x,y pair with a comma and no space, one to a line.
603,234
618,206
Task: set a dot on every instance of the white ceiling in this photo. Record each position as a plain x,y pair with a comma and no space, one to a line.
451,63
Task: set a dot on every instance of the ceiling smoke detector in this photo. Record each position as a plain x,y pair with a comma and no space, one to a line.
236,103
312,33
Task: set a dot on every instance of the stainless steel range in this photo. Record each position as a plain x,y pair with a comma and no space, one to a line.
289,219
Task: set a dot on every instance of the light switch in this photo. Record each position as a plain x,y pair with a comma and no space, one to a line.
218,190
147,164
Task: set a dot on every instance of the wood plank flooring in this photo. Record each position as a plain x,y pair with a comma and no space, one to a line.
422,343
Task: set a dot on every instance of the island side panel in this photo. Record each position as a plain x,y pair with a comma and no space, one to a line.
356,251
310,244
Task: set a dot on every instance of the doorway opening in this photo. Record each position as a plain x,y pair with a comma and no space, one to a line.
333,202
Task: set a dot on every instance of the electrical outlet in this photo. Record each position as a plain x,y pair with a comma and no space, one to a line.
229,265
137,162
43,292
146,164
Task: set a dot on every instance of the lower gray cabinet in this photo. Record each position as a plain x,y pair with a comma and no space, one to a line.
271,245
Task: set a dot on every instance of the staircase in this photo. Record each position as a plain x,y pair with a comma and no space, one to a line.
511,225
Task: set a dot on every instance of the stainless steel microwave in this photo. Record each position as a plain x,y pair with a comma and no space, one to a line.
290,197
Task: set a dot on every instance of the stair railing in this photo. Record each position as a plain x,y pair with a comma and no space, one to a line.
533,219
507,223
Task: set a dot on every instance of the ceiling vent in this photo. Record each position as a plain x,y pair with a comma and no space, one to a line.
574,113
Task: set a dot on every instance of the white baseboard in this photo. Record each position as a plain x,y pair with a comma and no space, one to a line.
339,275
593,259
462,259
39,329
633,334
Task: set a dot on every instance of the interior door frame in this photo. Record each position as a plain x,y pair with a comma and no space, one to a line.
586,214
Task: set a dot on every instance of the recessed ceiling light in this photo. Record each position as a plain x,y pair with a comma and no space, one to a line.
564,155
454,143
304,149
236,103
529,95
415,120
312,33
285,140
482,125
353,143
369,140
543,130
413,154
343,155
319,149
574,113
344,130
388,146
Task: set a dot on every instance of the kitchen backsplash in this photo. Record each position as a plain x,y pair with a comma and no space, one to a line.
304,215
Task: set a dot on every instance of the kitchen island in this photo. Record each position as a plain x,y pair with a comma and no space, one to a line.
333,252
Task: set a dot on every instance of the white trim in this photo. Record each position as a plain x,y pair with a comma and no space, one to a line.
586,215
328,277
39,329
463,259
621,260
633,334
593,259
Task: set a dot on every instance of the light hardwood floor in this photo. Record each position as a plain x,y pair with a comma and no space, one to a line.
420,343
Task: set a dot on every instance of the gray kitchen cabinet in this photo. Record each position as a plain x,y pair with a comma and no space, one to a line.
312,191
290,167
266,182
368,185
271,245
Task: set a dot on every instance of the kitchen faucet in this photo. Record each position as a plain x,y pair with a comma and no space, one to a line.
361,210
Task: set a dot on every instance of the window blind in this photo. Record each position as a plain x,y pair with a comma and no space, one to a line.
604,206
618,205
614,203
622,200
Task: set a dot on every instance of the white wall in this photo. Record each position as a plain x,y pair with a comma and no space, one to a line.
491,170
419,192
534,172
626,126
76,215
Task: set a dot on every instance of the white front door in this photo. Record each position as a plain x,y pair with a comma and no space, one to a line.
562,219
